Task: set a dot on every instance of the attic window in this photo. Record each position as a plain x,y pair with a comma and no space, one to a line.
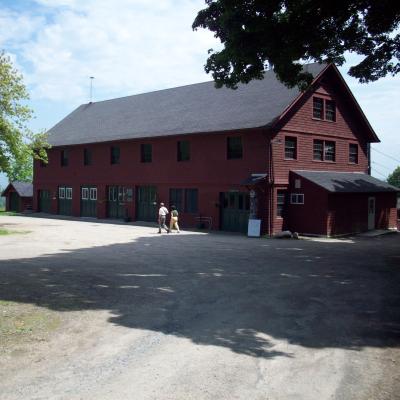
318,108
330,110
324,109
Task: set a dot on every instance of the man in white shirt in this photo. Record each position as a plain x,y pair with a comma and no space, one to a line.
162,215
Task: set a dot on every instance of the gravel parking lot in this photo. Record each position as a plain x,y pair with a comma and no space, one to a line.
198,316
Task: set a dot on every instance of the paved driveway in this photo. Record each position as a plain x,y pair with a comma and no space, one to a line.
202,316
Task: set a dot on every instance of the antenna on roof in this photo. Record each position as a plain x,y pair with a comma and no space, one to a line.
91,88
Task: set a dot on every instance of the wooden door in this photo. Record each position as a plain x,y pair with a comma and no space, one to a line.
89,201
44,201
235,211
14,202
146,204
65,200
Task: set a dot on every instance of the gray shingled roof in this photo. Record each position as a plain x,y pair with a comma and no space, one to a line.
347,182
23,189
188,109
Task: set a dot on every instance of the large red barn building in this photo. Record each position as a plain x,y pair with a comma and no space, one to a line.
295,160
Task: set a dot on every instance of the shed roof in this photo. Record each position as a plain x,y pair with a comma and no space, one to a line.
197,108
24,189
347,182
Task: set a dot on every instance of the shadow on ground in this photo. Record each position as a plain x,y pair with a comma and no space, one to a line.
227,291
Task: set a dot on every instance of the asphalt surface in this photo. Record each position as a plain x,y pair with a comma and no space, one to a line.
202,316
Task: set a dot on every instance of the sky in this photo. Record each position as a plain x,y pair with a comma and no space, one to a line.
136,46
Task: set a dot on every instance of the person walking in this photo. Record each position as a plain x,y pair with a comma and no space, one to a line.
173,222
162,215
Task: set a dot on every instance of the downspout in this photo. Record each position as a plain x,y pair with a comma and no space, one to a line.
270,184
369,157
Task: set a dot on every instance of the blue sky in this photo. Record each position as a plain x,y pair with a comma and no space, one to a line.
135,46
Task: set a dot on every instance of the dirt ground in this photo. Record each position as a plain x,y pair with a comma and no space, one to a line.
103,311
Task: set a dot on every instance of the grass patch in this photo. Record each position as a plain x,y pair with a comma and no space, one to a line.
7,213
24,323
4,232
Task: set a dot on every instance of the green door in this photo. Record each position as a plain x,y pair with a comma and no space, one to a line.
14,201
146,204
116,204
235,211
44,201
65,200
89,201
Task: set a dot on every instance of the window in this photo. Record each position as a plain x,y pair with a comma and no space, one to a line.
61,193
64,158
353,153
115,155
191,200
318,107
128,194
68,193
290,148
329,151
297,198
330,110
183,151
234,147
87,157
324,151
318,150
280,202
146,153
85,193
93,193
176,198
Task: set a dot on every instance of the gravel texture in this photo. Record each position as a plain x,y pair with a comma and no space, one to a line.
199,316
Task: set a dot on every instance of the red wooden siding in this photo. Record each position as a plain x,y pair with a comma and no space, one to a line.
208,169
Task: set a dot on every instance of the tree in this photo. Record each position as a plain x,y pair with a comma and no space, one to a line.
18,145
394,177
257,34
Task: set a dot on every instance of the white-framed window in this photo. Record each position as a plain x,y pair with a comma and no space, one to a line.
61,193
93,193
68,193
296,198
85,193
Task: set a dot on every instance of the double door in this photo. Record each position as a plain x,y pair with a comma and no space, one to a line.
146,204
235,211
89,201
65,200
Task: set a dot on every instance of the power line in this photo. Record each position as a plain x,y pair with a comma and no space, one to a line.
379,173
386,155
381,165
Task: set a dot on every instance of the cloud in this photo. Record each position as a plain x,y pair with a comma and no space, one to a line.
129,46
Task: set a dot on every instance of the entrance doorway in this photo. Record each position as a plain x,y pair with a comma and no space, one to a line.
235,210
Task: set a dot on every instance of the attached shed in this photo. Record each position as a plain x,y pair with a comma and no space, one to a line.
337,203
19,196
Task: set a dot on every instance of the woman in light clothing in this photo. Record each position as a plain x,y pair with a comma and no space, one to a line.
173,222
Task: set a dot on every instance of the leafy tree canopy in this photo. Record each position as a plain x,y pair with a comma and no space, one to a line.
18,145
394,177
257,34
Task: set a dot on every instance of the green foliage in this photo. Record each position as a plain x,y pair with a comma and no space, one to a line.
394,177
258,34
18,145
